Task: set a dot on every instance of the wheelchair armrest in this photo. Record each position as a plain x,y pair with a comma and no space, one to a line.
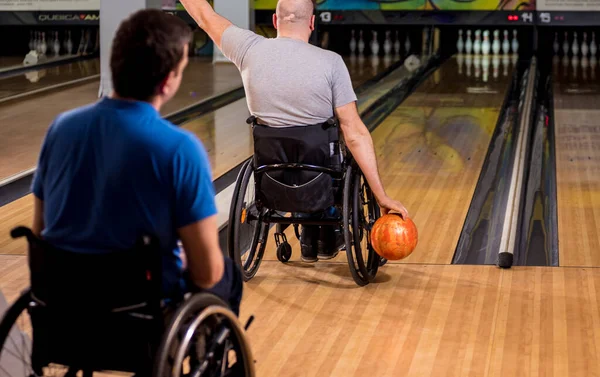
22,231
251,120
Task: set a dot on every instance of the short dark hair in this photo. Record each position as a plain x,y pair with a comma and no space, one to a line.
146,48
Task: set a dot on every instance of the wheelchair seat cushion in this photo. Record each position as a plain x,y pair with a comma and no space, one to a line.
296,190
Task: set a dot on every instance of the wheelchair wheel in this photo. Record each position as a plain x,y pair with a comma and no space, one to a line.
284,252
360,213
204,338
248,234
16,344
15,339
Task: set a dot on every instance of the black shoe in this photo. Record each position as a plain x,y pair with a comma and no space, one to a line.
328,246
308,244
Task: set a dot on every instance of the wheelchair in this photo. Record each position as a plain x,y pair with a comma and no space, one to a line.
299,171
105,313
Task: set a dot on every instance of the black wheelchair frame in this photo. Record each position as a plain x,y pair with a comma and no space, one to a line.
80,323
250,220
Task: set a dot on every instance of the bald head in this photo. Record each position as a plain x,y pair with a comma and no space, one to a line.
295,11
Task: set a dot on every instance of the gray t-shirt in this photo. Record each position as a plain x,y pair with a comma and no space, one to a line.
288,82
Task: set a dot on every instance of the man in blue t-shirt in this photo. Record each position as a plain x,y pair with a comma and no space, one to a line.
114,170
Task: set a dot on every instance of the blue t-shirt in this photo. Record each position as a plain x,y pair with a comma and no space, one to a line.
113,171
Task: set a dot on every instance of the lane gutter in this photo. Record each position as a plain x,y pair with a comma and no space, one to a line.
512,217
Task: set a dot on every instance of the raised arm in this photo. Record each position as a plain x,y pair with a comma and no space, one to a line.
205,16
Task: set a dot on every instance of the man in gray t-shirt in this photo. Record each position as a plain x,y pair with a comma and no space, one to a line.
289,82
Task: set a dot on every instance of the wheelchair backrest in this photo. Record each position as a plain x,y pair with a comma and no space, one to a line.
107,282
289,162
316,145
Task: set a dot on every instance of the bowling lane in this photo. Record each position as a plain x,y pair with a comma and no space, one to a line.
22,129
38,80
577,145
10,62
431,149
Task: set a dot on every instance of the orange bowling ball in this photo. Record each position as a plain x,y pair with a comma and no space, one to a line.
394,238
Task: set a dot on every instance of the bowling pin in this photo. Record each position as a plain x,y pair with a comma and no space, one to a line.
460,44
387,45
593,47
469,43
584,46
505,43
565,45
353,43
575,45
31,40
477,43
69,44
81,42
496,44
397,45
361,43
515,43
375,44
43,46
56,44
555,45
407,45
485,45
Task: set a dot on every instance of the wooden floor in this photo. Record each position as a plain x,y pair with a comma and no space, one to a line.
24,123
416,320
577,141
46,78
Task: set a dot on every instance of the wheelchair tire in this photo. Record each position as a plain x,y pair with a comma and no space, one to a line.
284,252
10,317
248,234
196,310
357,226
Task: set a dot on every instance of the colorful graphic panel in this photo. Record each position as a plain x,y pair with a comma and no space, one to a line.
476,5
265,4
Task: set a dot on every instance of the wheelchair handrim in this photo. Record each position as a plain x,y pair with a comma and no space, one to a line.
235,326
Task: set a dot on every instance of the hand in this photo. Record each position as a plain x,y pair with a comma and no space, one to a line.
182,256
388,205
